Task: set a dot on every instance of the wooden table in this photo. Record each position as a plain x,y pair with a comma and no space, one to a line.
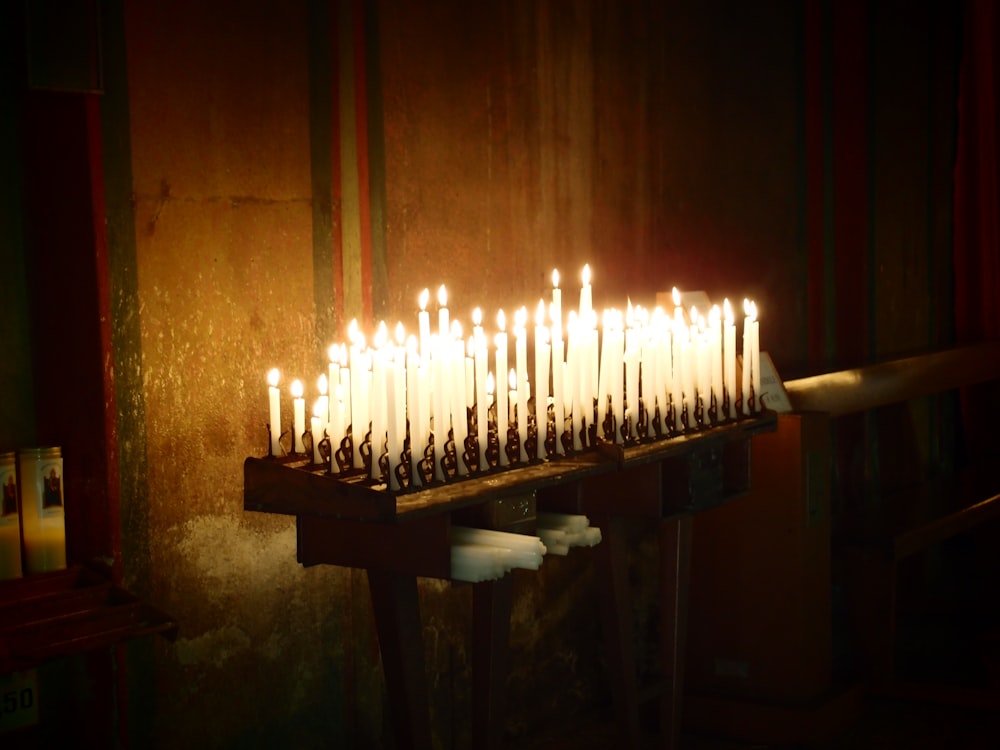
397,537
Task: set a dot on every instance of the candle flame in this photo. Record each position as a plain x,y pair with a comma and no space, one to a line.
714,315
753,311
512,379
318,410
746,306
442,296
521,317
424,297
333,352
491,383
555,278
676,297
400,333
540,313
586,274
456,329
501,321
354,334
381,335
322,385
297,389
477,317
412,344
727,311
272,377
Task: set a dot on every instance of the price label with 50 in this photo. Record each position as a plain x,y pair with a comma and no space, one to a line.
18,700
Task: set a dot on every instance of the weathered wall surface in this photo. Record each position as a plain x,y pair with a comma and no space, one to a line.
662,145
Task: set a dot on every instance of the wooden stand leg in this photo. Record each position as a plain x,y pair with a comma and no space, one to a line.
872,592
611,561
397,618
491,606
675,575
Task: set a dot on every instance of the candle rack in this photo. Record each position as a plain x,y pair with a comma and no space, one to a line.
448,465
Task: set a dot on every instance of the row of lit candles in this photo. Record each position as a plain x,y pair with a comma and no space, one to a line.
425,386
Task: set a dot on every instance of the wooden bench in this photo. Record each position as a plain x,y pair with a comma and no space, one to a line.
935,505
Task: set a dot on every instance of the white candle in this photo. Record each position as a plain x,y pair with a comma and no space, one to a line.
395,377
521,365
299,417
715,358
424,325
556,307
441,415
274,410
729,357
333,378
481,358
345,393
632,360
572,380
413,408
336,428
444,326
323,400
586,295
513,398
459,410
357,413
470,373
747,356
558,394
503,419
317,426
543,353
755,352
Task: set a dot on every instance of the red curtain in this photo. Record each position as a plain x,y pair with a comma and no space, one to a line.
977,225
977,202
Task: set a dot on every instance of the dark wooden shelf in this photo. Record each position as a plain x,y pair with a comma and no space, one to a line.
69,612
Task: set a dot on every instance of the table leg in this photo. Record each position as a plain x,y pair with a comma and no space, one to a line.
675,576
397,619
611,561
491,607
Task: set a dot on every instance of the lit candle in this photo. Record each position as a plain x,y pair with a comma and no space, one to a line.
459,410
755,353
729,357
444,327
512,398
556,307
503,419
381,358
299,417
572,380
274,410
676,373
424,325
543,352
521,365
316,427
323,401
357,411
715,364
558,394
747,356
441,415
586,295
333,377
482,404
631,362
414,409
335,429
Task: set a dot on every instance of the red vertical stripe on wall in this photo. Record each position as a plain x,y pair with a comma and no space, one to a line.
815,191
336,189
850,180
95,156
361,138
